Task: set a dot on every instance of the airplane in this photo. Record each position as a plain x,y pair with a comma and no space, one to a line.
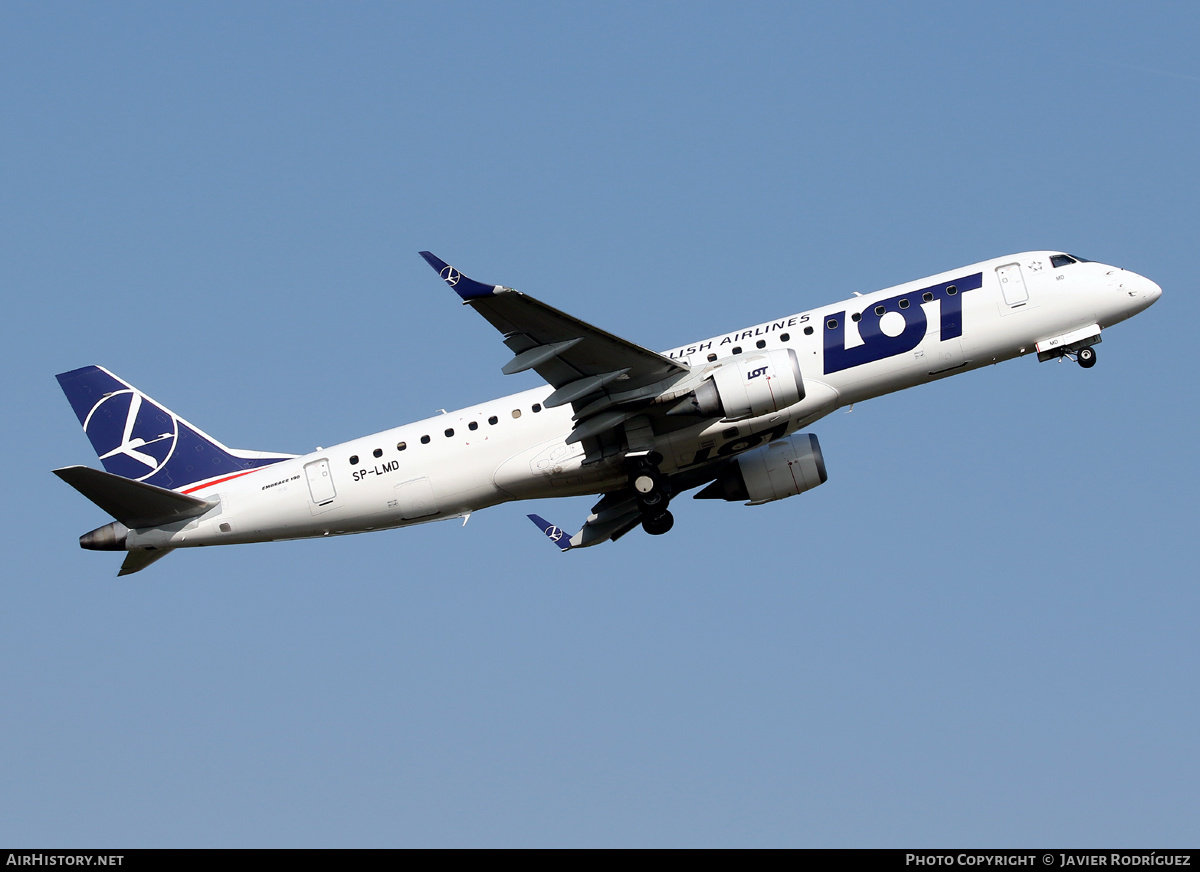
636,426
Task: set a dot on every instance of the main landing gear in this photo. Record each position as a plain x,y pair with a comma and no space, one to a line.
653,492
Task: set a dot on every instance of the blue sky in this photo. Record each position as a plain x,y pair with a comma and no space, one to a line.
981,631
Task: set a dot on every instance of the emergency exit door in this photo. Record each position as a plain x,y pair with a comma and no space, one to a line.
320,482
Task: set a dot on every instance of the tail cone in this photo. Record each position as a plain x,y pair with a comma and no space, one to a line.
110,537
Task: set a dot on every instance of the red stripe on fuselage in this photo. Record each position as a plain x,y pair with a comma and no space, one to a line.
219,480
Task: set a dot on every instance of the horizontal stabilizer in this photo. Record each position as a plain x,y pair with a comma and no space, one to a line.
133,503
136,561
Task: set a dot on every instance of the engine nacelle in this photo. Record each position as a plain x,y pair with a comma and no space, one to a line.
780,469
750,385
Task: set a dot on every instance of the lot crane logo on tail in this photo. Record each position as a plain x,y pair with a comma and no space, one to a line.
142,434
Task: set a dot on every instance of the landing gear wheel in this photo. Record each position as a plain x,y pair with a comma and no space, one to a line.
650,487
646,481
1086,357
656,499
658,524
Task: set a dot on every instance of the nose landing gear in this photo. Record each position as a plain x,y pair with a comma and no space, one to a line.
653,492
1076,346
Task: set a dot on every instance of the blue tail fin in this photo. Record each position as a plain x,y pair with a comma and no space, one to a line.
140,439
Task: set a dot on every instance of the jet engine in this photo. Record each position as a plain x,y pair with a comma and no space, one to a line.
750,385
780,469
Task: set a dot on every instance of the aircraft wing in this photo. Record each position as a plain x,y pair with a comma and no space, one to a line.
610,519
618,512
603,376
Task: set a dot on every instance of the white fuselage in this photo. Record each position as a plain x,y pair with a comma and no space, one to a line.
513,448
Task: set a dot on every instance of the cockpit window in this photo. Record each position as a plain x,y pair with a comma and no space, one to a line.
1057,260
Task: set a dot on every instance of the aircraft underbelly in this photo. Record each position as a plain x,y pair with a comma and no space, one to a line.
416,499
552,469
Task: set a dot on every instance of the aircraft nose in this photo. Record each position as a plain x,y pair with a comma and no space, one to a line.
1152,291
1141,290
1145,291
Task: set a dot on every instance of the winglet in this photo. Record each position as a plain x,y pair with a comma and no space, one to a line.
557,535
466,288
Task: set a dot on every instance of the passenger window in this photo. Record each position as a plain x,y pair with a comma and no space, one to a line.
904,304
516,413
856,317
762,343
951,290
474,425
493,420
400,446
832,325
424,440
712,357
927,297
449,432
354,460
378,452
879,310
783,337
537,407
737,349
808,331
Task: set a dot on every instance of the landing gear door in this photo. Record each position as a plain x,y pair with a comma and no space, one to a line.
320,485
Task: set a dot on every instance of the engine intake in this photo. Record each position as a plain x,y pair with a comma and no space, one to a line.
750,385
781,469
